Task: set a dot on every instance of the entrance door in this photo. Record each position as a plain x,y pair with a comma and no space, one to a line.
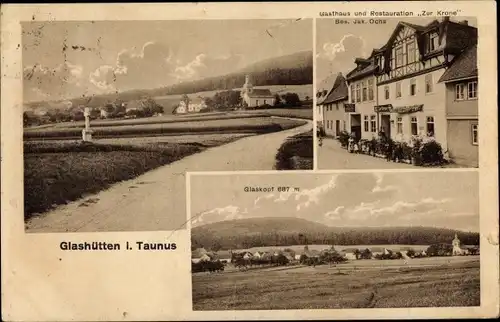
356,125
337,128
385,125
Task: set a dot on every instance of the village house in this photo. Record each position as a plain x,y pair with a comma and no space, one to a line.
334,106
199,255
361,117
460,80
192,105
396,90
254,97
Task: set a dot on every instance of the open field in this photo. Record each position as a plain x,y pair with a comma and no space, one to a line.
240,125
301,113
57,173
426,282
200,117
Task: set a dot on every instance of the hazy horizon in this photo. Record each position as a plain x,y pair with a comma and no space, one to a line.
344,200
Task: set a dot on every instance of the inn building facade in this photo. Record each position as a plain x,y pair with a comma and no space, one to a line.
402,89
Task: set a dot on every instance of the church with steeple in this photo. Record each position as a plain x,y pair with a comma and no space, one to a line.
255,97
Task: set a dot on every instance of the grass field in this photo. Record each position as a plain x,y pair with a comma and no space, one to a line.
148,120
57,173
301,113
428,282
254,125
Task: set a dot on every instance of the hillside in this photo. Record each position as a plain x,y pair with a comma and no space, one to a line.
294,69
252,226
273,231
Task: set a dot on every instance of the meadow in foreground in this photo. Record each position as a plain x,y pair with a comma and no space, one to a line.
324,287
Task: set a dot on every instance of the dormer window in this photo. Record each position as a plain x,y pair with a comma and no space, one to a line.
433,42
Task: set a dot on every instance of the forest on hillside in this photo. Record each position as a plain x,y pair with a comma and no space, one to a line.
383,236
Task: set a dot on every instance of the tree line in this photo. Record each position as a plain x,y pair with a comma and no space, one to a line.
420,236
269,77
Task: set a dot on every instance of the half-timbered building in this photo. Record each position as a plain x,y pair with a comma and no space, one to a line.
396,89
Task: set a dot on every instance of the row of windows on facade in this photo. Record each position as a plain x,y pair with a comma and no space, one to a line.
370,125
364,91
410,55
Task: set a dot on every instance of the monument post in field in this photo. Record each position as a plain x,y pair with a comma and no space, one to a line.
87,132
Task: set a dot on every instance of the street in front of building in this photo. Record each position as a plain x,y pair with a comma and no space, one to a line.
332,156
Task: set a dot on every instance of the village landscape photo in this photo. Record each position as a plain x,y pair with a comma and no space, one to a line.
398,93
335,240
115,113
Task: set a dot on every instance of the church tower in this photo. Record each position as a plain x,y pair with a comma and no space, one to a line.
247,87
456,246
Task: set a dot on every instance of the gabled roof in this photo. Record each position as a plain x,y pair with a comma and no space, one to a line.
261,92
462,66
339,92
362,70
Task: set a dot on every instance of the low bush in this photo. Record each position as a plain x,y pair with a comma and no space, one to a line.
343,138
298,147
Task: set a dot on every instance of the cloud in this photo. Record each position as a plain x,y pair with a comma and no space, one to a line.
348,43
202,66
265,197
310,195
335,214
152,67
372,214
103,78
41,82
338,56
229,212
378,184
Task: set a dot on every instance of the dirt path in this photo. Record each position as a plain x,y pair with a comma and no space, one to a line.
156,200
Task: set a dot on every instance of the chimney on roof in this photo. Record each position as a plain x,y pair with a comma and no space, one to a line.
446,19
464,22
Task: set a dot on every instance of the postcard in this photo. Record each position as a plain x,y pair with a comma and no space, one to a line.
247,161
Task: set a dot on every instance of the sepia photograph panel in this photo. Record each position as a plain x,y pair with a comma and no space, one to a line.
397,93
115,112
335,240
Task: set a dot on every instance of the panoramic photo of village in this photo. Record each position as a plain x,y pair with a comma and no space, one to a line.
325,241
397,95
115,113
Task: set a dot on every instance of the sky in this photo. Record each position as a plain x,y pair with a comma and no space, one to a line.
337,45
433,199
63,60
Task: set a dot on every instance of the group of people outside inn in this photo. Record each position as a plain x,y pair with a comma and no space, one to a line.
410,88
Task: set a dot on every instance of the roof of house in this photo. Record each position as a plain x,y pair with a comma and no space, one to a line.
361,70
325,87
463,66
339,90
459,35
261,92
